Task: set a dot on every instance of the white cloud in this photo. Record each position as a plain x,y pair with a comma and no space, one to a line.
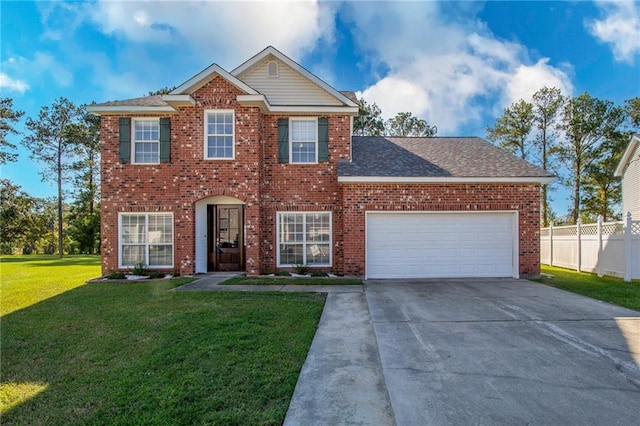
12,85
227,31
527,79
42,68
449,72
620,27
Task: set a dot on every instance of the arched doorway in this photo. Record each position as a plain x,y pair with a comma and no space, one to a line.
219,234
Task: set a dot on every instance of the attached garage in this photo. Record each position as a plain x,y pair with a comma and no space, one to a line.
441,244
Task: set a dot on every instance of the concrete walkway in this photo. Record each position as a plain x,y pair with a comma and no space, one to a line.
341,382
213,283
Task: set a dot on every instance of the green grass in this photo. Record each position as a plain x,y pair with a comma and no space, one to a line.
25,280
138,353
607,289
242,280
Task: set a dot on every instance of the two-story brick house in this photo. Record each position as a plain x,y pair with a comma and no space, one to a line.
256,170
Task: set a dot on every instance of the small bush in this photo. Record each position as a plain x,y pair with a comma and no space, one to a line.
318,274
138,269
115,275
283,274
156,275
302,269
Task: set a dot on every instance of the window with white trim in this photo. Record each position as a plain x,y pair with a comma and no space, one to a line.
219,134
303,139
146,141
145,238
304,238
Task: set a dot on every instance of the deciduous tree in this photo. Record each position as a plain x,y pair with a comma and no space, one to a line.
369,121
8,117
406,124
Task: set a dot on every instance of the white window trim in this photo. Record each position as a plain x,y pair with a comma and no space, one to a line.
304,243
173,237
233,133
291,120
133,138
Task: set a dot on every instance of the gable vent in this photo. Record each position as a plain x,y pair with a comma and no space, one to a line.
272,69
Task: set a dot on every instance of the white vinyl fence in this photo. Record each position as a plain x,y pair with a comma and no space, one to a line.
611,248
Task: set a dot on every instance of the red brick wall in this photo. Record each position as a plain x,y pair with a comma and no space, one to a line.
177,185
254,176
360,198
303,187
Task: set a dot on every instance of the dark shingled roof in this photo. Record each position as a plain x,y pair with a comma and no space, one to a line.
147,101
433,157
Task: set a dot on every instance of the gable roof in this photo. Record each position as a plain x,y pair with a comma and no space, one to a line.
437,159
205,76
271,51
181,95
628,153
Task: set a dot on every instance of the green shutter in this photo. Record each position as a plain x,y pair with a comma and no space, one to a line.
323,139
283,140
165,140
125,139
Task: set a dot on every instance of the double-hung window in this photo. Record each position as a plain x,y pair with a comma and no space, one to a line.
304,140
219,134
304,238
146,238
146,141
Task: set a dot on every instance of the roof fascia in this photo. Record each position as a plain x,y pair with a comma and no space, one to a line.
270,50
635,139
179,100
205,76
124,109
424,179
262,102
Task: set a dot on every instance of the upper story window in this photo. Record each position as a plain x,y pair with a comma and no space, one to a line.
272,69
304,140
219,134
146,141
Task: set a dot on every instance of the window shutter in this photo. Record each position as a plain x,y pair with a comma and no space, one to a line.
125,139
323,139
283,140
165,140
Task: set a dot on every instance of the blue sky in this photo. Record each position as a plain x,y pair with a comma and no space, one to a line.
455,64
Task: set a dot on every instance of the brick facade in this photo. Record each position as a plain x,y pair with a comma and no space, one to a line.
360,198
254,177
266,186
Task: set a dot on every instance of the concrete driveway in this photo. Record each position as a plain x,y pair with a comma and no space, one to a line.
473,351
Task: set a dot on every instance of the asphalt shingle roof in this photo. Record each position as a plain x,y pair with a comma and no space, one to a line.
151,101
433,157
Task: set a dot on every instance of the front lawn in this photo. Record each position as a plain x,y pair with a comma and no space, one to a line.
138,353
607,289
25,280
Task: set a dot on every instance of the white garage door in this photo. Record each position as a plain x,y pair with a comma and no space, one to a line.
441,245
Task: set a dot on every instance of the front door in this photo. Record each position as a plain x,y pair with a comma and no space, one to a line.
225,244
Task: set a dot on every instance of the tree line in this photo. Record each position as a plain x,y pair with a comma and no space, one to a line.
581,139
65,140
